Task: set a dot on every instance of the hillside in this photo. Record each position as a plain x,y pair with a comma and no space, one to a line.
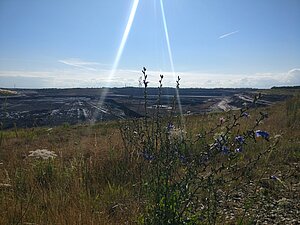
97,174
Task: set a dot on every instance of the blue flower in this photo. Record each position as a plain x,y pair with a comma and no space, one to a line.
170,126
225,150
182,159
240,139
148,156
263,134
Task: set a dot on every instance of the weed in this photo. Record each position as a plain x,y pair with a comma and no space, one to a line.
187,177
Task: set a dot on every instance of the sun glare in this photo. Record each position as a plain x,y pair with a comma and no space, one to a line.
170,52
122,46
119,53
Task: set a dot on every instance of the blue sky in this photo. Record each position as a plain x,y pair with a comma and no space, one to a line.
215,43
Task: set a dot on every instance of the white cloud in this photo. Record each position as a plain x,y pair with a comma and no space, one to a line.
228,34
92,78
79,63
293,77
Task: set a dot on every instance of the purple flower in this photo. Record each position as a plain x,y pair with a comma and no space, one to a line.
240,139
263,134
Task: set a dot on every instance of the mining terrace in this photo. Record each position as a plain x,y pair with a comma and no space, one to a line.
52,107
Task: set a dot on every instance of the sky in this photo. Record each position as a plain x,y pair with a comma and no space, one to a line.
214,43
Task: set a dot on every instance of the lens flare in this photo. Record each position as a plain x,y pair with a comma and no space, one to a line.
170,54
124,39
119,53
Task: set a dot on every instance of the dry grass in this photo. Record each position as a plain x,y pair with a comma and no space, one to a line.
89,182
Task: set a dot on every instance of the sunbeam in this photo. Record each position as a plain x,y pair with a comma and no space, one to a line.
124,39
119,53
170,54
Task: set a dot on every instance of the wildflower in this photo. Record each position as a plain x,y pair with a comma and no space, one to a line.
240,139
182,159
263,134
225,150
170,126
43,154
